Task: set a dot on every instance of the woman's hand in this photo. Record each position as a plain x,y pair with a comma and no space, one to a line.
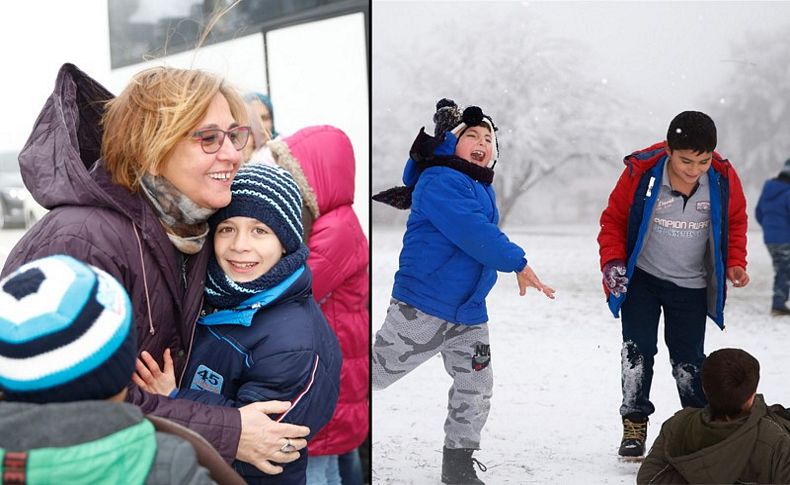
526,278
263,440
150,378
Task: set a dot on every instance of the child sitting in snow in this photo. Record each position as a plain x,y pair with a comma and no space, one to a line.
262,335
736,438
451,253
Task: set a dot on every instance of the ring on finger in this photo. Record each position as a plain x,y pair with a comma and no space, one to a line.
287,447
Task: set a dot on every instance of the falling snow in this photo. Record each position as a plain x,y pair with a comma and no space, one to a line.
555,409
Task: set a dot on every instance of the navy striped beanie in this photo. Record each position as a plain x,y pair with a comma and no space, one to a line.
270,195
65,333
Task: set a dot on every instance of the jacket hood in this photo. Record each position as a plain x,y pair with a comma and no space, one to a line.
426,146
723,462
65,144
327,159
644,159
75,441
774,188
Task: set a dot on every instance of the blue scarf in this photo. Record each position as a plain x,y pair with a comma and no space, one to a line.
222,292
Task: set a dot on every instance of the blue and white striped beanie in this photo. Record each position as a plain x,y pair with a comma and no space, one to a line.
270,195
65,333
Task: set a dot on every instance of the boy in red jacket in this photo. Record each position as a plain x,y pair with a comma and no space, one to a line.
674,228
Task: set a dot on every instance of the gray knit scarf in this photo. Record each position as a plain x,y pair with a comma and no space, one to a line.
185,222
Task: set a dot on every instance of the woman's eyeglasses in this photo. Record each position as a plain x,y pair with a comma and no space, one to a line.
211,139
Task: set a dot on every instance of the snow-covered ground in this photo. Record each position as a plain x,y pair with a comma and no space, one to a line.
554,415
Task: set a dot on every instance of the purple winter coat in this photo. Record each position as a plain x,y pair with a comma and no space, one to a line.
106,225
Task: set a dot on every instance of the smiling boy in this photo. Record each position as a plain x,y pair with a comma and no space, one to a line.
261,335
451,253
673,230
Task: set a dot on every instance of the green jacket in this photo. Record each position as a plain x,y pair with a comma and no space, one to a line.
693,449
96,442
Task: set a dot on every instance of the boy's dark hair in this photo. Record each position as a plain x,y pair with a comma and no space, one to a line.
729,378
692,130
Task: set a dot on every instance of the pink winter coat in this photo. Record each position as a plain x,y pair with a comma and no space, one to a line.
339,258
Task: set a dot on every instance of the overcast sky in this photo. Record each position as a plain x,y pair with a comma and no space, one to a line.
38,36
669,54
674,48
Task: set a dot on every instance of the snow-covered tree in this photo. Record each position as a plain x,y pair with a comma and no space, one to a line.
752,107
552,115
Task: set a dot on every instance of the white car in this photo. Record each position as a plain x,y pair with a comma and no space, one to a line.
33,211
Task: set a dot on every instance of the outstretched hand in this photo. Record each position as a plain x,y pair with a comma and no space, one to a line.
527,278
737,276
150,378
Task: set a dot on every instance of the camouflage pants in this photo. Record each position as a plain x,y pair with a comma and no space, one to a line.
409,337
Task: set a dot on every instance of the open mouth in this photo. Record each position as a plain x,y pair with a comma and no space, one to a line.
478,155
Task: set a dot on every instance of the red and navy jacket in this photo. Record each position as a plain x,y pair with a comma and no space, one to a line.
626,220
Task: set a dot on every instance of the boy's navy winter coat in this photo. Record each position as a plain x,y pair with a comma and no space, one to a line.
276,345
773,209
452,248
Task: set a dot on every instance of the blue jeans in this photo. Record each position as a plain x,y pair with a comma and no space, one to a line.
685,313
780,255
350,468
323,470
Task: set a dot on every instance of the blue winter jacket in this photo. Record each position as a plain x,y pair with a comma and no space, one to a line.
773,211
452,248
276,345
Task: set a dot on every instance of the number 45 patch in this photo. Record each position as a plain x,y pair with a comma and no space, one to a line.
206,379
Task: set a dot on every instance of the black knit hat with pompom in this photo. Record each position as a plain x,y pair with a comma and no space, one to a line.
449,117
446,117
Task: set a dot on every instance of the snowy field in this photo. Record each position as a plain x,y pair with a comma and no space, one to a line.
554,415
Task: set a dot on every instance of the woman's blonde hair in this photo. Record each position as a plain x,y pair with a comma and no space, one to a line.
158,108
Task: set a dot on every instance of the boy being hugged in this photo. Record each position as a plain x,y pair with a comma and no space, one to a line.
452,250
673,232
262,335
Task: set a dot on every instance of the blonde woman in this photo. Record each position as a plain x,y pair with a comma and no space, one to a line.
130,183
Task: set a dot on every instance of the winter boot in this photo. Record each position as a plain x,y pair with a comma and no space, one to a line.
458,466
634,436
779,312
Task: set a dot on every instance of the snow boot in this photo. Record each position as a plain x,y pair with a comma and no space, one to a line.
779,312
458,466
634,436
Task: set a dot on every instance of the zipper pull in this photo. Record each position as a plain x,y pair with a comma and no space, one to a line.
184,271
650,186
